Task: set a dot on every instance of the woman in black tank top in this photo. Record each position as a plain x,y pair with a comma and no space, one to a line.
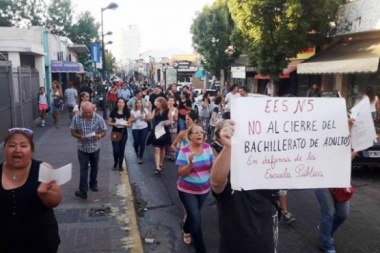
27,219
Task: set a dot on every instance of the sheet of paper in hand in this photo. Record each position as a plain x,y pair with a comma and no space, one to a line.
159,131
121,123
363,131
62,175
90,135
290,143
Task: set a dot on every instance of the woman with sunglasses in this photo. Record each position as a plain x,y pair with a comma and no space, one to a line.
27,219
193,185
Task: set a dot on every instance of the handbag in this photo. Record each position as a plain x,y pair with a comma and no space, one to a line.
343,194
183,111
117,136
150,138
57,102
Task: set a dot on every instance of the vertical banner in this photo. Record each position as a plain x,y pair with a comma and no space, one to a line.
171,76
95,52
290,143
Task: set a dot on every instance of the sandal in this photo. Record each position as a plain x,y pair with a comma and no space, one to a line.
157,171
186,238
161,166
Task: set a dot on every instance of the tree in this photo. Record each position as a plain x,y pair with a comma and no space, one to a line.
59,17
279,29
211,35
22,13
85,30
110,61
5,13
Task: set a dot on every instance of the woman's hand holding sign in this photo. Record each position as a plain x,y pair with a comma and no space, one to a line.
227,132
222,165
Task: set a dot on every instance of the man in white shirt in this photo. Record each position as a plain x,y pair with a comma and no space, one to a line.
139,95
71,98
243,91
234,93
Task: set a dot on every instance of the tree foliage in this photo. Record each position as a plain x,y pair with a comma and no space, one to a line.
5,15
278,30
22,13
59,17
110,61
211,35
85,30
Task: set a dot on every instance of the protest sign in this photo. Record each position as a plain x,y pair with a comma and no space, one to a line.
363,129
290,143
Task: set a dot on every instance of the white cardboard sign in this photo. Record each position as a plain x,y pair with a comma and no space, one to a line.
363,129
290,143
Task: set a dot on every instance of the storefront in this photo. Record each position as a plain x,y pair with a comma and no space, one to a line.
351,62
65,71
349,65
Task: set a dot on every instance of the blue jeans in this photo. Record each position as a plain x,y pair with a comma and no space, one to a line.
118,148
333,214
181,124
84,158
139,140
193,204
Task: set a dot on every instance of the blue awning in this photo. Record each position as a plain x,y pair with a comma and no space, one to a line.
200,73
66,67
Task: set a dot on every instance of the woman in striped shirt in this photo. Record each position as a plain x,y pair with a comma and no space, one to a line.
195,162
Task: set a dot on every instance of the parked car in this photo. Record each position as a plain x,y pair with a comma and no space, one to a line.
369,157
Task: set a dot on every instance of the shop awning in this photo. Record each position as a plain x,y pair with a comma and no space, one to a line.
87,69
66,67
285,73
79,48
359,56
200,74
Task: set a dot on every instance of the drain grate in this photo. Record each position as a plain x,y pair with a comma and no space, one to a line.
99,211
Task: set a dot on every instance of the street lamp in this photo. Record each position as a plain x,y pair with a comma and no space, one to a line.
215,42
111,6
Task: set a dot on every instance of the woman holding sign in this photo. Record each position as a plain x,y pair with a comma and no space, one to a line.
247,219
193,185
27,219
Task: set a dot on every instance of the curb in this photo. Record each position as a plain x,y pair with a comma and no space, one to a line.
131,213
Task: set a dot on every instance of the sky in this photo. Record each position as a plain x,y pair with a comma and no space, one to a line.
163,24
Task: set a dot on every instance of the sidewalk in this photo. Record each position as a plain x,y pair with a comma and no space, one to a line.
106,221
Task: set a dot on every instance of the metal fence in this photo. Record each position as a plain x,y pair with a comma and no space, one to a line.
18,97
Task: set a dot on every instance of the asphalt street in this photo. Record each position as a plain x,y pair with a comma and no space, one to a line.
159,213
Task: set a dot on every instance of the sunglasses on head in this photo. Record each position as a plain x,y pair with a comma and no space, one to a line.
26,131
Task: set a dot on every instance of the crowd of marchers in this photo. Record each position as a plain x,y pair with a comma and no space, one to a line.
198,141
